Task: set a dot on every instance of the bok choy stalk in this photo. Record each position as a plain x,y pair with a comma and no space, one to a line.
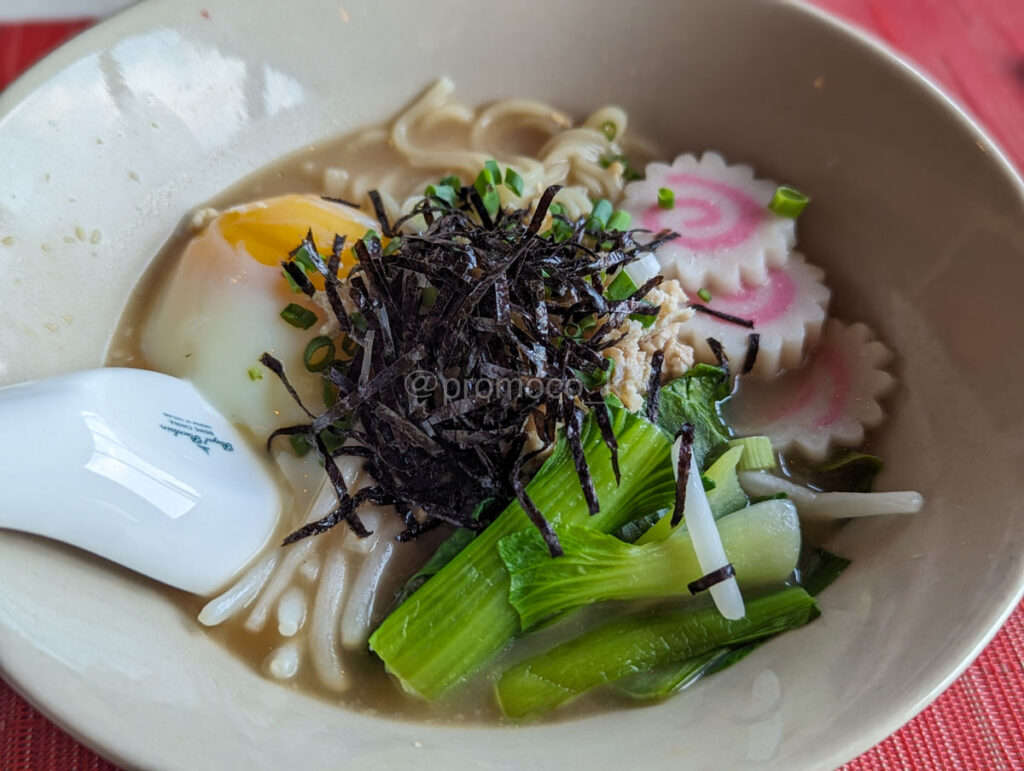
461,617
637,643
816,571
762,542
724,498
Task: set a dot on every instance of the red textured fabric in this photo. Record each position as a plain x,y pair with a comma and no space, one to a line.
21,45
975,49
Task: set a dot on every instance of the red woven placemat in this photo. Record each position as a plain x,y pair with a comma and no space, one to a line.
975,49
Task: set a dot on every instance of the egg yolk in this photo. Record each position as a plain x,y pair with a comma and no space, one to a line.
269,230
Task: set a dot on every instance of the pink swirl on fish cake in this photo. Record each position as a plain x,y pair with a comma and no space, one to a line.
708,215
760,304
825,391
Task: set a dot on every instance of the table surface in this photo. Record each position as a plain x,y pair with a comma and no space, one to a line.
975,50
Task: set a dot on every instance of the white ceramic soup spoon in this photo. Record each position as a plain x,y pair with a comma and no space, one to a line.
136,467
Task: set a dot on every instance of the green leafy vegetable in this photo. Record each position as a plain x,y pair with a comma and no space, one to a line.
459,619
639,643
444,554
852,471
724,498
817,570
762,542
693,398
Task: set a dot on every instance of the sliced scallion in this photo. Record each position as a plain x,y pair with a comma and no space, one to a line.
598,219
666,198
620,220
429,297
255,373
492,166
622,287
300,317
609,129
513,181
788,202
442,192
704,294
484,185
319,354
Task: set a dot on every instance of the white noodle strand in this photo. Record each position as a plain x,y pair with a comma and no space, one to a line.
324,626
238,597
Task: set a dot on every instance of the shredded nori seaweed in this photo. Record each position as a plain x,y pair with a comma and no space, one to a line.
488,306
705,582
753,346
654,386
686,436
723,316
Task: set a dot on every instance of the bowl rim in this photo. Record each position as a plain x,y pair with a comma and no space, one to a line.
893,718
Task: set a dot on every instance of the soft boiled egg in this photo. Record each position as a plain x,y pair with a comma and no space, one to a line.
221,308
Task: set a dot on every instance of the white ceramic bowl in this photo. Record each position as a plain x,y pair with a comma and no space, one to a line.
917,218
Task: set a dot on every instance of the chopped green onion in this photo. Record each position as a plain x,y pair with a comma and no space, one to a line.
453,182
393,246
646,319
334,441
300,445
788,202
609,129
443,192
513,181
329,393
319,354
599,378
757,453
704,294
492,166
562,231
358,321
298,316
370,236
599,215
622,287
255,373
556,208
304,259
484,185
619,221
429,296
349,347
666,198
587,323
